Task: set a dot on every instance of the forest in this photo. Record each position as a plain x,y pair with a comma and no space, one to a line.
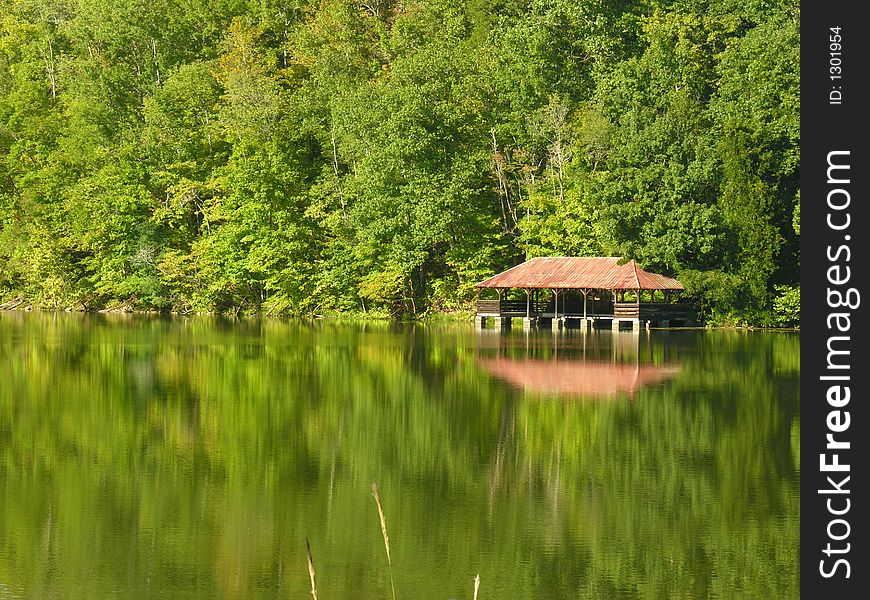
379,157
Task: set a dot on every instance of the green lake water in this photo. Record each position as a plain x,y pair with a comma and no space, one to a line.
144,457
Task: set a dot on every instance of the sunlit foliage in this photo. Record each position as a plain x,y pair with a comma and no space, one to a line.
381,157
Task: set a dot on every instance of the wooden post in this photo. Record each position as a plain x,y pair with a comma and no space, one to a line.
584,302
638,306
528,303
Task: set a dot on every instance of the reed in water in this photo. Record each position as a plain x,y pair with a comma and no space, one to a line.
311,573
386,537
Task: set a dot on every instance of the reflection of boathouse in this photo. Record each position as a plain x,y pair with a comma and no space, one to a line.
595,379
592,365
585,291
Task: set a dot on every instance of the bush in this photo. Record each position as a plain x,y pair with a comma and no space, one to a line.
787,305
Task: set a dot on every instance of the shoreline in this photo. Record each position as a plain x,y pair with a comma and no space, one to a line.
427,318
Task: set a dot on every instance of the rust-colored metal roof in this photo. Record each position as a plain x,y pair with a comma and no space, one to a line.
592,379
598,273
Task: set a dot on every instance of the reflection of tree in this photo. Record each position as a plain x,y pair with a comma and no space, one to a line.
185,455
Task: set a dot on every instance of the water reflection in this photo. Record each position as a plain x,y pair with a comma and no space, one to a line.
585,364
587,379
190,458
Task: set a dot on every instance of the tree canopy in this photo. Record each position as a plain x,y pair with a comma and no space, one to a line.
382,156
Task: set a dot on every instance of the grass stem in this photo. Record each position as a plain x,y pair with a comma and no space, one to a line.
386,538
311,573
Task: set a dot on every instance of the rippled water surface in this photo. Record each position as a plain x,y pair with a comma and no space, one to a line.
191,457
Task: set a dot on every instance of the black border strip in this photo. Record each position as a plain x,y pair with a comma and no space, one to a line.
835,302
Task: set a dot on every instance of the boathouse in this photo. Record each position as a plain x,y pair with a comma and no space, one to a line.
582,291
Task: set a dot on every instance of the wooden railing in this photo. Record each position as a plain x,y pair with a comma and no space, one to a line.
665,311
652,311
510,308
489,307
626,310
658,311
